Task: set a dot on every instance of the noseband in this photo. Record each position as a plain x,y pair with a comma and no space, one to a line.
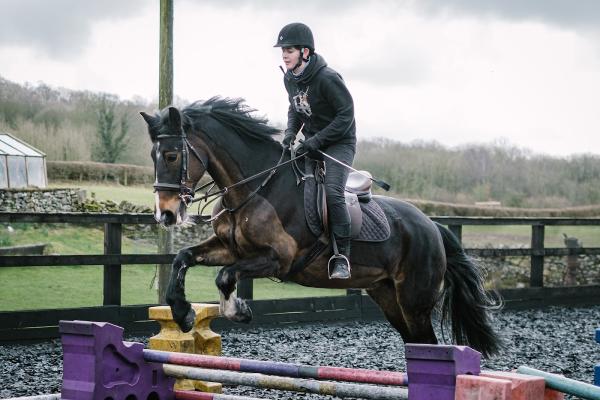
186,193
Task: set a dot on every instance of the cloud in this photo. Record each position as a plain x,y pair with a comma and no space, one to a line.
59,29
566,13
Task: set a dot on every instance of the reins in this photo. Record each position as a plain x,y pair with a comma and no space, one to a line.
222,192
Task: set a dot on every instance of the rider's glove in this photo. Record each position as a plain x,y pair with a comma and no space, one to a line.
310,146
288,139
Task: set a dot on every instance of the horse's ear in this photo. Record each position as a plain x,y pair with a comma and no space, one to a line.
174,119
147,117
151,121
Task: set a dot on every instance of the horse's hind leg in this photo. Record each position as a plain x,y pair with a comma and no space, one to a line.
417,303
384,294
409,318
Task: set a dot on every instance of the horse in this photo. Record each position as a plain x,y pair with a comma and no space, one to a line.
260,230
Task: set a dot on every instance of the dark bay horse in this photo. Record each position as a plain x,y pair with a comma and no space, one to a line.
259,230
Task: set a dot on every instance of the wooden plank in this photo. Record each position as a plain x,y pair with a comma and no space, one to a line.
41,324
72,218
515,221
498,252
552,293
456,230
536,275
92,259
23,319
140,328
306,304
148,218
245,289
112,272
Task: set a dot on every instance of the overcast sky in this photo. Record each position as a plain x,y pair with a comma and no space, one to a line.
451,71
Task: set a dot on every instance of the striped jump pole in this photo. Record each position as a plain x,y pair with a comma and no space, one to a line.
278,368
565,385
286,383
194,395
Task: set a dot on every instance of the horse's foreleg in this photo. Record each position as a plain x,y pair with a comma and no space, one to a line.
232,307
209,252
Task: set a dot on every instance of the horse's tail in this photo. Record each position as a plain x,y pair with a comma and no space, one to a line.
465,299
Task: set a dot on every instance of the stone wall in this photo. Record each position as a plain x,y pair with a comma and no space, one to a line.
74,200
41,200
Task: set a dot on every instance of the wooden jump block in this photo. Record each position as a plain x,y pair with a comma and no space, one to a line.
524,387
472,387
200,340
550,394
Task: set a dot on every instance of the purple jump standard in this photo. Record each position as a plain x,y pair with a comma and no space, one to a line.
278,368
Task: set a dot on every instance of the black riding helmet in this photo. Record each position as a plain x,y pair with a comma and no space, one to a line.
295,34
299,35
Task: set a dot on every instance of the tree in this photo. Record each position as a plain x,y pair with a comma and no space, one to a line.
111,145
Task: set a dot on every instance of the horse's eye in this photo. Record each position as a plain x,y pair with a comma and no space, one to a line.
171,157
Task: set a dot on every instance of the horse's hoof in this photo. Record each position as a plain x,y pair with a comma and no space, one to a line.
243,312
188,321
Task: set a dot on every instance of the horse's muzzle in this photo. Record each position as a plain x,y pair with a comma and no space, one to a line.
167,218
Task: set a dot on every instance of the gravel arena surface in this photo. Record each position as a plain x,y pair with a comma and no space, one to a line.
559,340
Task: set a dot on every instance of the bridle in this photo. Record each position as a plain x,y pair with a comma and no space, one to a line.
187,194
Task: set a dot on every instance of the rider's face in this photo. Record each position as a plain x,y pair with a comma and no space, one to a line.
290,56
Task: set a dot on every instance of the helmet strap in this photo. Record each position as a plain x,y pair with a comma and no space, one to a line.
300,59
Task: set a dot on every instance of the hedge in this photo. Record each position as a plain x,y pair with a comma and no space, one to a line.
124,174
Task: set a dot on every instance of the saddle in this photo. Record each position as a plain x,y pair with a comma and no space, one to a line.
367,219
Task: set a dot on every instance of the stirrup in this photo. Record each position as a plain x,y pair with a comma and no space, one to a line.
336,257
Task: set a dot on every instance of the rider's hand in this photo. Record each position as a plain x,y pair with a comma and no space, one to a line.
287,140
310,146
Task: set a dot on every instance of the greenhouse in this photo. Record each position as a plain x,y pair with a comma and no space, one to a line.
20,164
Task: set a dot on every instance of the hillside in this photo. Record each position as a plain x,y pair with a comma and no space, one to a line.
63,124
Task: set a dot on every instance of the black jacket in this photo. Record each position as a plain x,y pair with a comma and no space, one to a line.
332,119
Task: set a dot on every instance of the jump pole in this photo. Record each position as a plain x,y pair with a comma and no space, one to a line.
278,368
565,385
286,383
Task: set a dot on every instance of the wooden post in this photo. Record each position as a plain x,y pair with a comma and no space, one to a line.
245,289
536,277
165,98
112,272
457,230
165,88
165,246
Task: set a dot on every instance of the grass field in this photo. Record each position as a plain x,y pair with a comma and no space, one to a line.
141,195
80,286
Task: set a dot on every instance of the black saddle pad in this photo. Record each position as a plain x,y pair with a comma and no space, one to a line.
375,226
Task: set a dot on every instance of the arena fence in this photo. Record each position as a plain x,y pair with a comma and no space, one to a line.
43,324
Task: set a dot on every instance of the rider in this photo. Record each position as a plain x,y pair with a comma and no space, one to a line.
321,105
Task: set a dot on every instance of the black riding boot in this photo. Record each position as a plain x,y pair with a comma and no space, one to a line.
339,263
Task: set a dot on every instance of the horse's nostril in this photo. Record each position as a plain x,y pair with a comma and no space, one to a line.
167,218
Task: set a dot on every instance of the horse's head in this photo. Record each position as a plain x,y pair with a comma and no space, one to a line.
178,166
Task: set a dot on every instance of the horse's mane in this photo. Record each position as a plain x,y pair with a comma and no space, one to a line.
232,113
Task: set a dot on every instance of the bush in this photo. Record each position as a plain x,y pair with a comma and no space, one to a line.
99,172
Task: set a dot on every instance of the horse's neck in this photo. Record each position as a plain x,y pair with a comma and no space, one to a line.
230,166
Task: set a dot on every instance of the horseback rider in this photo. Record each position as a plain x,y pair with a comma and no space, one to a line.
321,105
